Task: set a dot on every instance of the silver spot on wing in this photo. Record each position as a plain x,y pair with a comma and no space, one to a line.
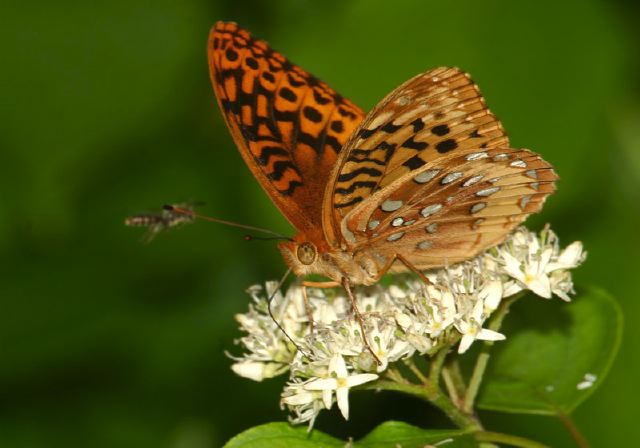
475,208
390,205
472,180
518,164
524,201
425,245
476,156
397,222
476,223
451,177
430,209
431,228
395,236
426,176
402,101
373,224
488,191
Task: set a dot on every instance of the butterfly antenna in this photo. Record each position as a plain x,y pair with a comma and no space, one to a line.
270,301
184,211
266,238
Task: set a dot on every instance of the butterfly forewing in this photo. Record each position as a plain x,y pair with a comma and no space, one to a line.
424,119
288,125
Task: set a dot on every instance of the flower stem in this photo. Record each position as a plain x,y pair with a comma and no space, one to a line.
453,381
488,436
436,364
432,395
452,390
416,371
485,353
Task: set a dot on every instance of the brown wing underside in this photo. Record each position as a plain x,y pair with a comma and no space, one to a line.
426,118
450,211
288,125
429,175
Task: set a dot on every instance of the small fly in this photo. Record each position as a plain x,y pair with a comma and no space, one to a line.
171,216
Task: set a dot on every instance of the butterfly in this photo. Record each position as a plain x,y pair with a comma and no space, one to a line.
426,179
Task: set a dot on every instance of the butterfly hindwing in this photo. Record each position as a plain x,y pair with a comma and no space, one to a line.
288,125
449,211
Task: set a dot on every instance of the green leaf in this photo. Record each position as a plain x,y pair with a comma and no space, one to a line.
280,435
407,436
550,347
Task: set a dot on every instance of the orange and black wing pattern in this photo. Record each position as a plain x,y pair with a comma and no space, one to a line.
288,125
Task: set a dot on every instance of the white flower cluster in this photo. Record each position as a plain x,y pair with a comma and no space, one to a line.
407,317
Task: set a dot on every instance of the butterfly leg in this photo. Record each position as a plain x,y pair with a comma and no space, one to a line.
408,264
359,318
411,267
323,285
308,309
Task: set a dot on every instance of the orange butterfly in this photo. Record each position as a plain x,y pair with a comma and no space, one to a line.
426,179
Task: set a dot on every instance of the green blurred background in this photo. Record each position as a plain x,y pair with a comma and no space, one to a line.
106,110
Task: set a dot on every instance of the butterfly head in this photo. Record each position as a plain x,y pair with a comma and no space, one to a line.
301,256
305,257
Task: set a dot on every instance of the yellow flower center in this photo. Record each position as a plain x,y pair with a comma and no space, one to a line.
528,278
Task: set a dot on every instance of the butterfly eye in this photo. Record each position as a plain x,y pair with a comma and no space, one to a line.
307,253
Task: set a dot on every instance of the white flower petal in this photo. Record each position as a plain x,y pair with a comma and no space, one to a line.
478,309
512,267
492,295
299,399
342,397
490,335
327,396
356,380
465,343
533,245
571,256
511,288
545,257
338,366
541,286
249,369
404,320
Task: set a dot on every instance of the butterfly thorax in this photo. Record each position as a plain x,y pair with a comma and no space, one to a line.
305,258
